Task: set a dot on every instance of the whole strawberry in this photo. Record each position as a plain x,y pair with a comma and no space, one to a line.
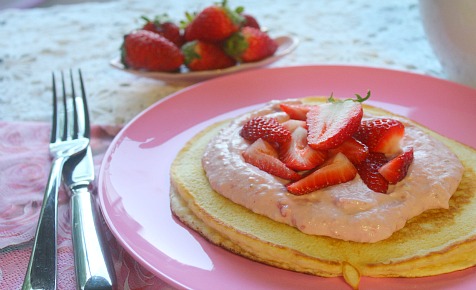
250,21
147,50
214,23
165,27
250,44
201,55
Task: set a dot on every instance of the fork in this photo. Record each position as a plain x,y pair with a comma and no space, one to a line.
66,141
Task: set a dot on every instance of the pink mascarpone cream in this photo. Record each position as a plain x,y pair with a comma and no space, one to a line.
348,211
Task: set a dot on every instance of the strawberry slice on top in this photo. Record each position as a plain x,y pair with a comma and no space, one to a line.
369,172
334,122
269,129
264,156
381,135
297,154
338,169
297,111
292,124
397,168
353,149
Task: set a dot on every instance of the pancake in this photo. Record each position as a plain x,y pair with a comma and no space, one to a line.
435,242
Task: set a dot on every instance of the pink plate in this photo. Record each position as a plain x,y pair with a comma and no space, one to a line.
134,177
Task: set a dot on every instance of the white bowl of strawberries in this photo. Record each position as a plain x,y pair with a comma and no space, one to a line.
214,42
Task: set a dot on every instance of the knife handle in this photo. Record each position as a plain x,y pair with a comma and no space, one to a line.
94,267
41,272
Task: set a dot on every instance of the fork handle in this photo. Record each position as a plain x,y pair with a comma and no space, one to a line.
91,255
41,272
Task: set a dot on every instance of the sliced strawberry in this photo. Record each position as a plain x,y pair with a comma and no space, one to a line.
267,128
397,168
291,124
353,149
368,171
336,170
381,135
297,155
296,111
263,155
333,123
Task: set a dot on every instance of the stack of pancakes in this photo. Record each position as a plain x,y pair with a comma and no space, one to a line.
435,242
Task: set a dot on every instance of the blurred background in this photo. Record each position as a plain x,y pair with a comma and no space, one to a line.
40,3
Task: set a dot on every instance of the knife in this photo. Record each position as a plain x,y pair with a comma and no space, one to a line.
92,258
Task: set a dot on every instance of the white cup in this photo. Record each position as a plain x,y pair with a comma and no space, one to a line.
450,26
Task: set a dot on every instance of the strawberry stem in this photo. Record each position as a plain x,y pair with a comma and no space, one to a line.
146,19
239,9
189,17
158,19
359,98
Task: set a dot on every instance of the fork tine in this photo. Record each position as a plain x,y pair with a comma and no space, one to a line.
76,121
54,127
65,110
86,125
81,115
75,106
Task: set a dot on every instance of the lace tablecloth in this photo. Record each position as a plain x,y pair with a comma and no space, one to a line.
35,42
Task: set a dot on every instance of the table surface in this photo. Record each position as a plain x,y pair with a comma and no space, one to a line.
35,42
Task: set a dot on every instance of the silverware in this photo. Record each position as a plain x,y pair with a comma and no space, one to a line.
65,142
92,259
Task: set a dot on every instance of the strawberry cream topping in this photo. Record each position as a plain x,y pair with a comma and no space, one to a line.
331,169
